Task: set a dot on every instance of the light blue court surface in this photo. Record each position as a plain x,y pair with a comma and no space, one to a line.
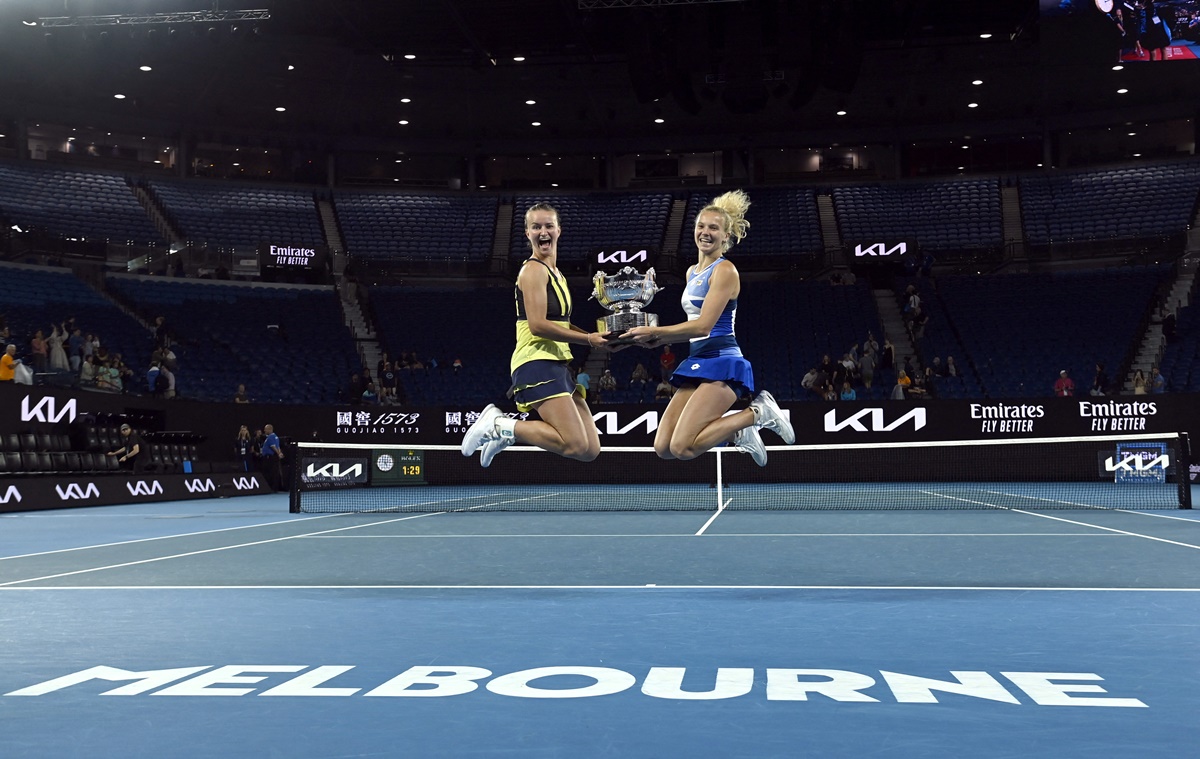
233,629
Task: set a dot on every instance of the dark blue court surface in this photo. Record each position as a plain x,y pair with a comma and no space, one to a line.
236,630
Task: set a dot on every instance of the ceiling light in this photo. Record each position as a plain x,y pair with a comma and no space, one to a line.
841,113
410,57
537,123
660,121
403,122
962,168
554,184
237,164
1131,134
977,82
519,58
1118,67
291,67
548,163
985,36
145,68
530,102
1137,155
972,105
405,100
1122,91
966,147
281,109
119,97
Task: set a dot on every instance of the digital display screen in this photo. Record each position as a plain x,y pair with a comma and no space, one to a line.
1122,31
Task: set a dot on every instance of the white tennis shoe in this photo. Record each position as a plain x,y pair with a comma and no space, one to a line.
749,441
768,414
491,447
482,430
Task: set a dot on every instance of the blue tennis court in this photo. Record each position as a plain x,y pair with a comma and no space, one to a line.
234,628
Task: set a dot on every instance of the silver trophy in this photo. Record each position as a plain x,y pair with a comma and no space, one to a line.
625,293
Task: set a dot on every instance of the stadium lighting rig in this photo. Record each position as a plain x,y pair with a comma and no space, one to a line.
187,17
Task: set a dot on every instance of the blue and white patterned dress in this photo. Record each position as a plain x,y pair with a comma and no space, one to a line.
715,356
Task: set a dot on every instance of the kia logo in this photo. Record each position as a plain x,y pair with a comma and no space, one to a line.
855,422
141,488
74,492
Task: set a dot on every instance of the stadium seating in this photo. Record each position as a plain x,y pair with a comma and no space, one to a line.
596,221
37,297
784,227
943,215
417,228
96,205
1142,201
1181,359
286,344
221,214
1019,330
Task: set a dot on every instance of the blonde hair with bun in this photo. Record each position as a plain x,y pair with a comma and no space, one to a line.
733,206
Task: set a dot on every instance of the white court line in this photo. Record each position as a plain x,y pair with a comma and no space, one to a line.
1067,521
1095,508
167,537
656,587
210,550
713,518
722,535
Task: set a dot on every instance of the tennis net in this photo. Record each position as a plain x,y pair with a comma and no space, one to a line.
1096,472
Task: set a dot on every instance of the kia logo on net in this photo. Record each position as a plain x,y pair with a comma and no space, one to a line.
11,494
245,483
76,493
45,411
876,421
1131,462
334,470
142,488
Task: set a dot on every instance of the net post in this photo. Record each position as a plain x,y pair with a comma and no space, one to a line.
720,478
294,484
1183,471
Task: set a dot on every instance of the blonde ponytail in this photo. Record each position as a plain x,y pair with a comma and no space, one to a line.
733,205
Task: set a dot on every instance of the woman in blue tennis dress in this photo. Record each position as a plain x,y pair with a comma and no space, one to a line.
715,373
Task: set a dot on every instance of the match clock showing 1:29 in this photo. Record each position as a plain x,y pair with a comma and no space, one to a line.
397,467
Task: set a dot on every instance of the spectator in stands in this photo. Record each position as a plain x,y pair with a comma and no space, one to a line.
849,368
898,391
1064,386
169,390
130,452
370,397
272,458
664,390
1158,383
903,379
162,336
939,370
808,381
1139,383
355,389
666,362
829,393
124,373
870,343
866,367
639,377
848,393
387,383
1169,324
917,389
457,365
8,363
887,357
90,343
39,351
951,367
367,379
75,350
583,380
241,397
540,363
58,354
89,372
1099,381
715,373
383,361
152,378
243,448
608,383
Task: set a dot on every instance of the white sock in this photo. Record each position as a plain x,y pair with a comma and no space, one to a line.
506,427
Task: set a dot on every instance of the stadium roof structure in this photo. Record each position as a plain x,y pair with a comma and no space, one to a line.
601,74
